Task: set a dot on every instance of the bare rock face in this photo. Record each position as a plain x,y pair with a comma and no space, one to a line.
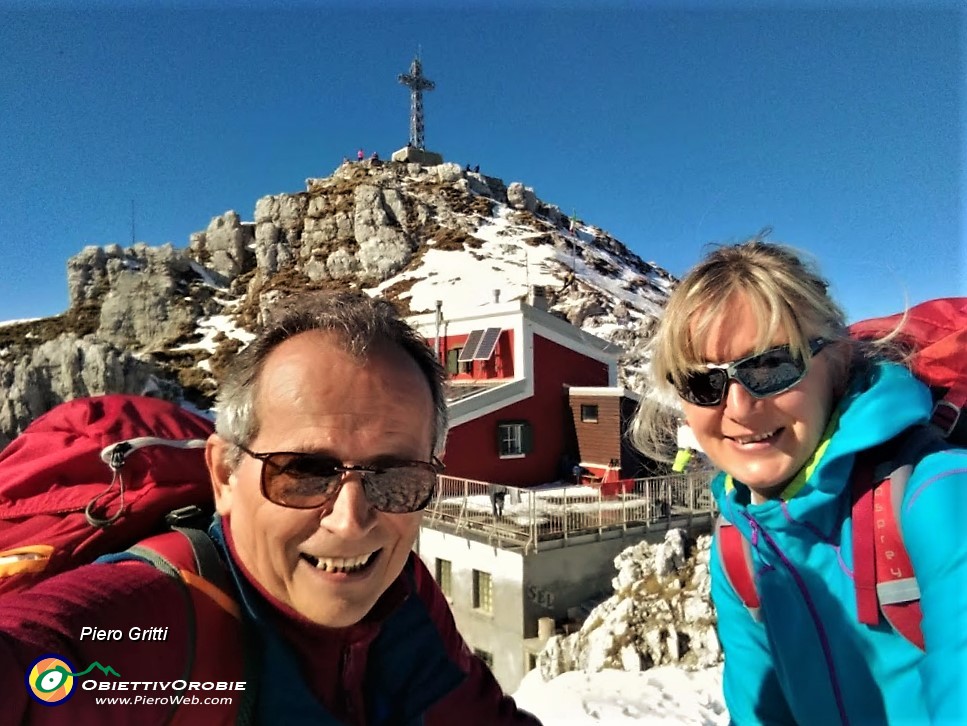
359,227
660,614
225,247
521,197
143,293
65,368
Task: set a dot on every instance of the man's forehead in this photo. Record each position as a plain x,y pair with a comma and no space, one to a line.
318,364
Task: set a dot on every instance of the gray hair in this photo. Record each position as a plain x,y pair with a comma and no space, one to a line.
787,295
361,323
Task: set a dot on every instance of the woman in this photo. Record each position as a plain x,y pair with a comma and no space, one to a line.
782,401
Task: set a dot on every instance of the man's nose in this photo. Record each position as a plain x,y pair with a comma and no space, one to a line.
350,514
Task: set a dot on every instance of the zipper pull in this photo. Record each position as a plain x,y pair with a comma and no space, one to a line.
755,530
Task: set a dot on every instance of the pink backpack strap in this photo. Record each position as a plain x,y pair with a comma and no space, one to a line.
896,586
864,548
882,571
735,556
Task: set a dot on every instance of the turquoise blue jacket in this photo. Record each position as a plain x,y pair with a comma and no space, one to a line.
809,660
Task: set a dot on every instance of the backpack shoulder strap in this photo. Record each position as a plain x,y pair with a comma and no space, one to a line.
883,574
211,577
160,562
735,556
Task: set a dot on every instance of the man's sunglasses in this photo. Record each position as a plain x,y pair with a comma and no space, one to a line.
764,374
306,481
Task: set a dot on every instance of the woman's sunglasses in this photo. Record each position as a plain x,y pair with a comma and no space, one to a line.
306,481
764,374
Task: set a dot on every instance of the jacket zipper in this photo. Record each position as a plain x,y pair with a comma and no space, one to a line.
757,529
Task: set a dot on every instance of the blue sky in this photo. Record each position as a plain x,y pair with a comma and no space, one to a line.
669,125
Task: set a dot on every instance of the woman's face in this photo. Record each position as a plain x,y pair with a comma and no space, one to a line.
761,442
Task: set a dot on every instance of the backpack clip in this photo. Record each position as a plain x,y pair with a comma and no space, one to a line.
119,452
184,515
945,417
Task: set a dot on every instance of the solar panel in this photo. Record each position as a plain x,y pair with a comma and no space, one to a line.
487,344
470,347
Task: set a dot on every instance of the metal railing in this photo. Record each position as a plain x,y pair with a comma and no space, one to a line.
513,517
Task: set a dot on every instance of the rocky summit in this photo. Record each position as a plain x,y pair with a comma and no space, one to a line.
164,319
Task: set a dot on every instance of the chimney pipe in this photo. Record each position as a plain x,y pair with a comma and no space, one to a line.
436,337
496,296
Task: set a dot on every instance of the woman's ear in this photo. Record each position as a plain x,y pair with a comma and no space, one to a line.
221,472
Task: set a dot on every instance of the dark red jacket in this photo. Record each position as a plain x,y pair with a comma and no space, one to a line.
334,666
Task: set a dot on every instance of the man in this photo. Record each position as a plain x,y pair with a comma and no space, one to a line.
323,460
498,496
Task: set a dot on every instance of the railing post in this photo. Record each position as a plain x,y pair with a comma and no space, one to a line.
624,508
565,512
535,537
600,513
649,504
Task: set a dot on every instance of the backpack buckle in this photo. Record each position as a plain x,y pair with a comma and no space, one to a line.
945,417
183,515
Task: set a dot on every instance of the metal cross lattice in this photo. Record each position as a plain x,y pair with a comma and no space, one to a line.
417,83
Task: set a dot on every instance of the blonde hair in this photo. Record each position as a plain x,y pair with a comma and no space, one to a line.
787,296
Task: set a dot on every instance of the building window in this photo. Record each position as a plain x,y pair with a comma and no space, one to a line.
513,438
483,591
589,412
486,656
444,569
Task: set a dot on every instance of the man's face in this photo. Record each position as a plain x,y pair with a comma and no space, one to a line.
314,397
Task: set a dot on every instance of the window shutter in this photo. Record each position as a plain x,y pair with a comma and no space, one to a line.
453,367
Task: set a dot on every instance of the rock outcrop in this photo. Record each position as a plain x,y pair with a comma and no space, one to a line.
660,614
370,225
69,367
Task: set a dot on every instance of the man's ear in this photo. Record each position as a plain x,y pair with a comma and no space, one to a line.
222,475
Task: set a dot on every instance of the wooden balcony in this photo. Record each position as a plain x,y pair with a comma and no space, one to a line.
561,515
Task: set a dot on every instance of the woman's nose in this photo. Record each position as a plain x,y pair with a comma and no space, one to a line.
738,401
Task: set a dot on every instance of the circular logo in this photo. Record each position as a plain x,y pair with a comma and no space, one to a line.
49,680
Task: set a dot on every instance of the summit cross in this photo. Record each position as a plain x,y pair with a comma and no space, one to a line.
417,83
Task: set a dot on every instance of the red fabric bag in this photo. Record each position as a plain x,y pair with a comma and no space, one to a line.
936,333
93,476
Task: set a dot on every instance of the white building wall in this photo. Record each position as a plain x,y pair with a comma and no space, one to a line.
499,633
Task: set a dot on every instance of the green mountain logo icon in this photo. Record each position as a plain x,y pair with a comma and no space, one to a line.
108,671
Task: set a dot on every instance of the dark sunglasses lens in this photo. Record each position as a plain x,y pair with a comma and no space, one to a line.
772,372
300,481
400,489
704,388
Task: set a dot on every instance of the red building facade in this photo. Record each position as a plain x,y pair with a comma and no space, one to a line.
510,412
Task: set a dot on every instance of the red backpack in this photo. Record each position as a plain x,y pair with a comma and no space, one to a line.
936,333
95,476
